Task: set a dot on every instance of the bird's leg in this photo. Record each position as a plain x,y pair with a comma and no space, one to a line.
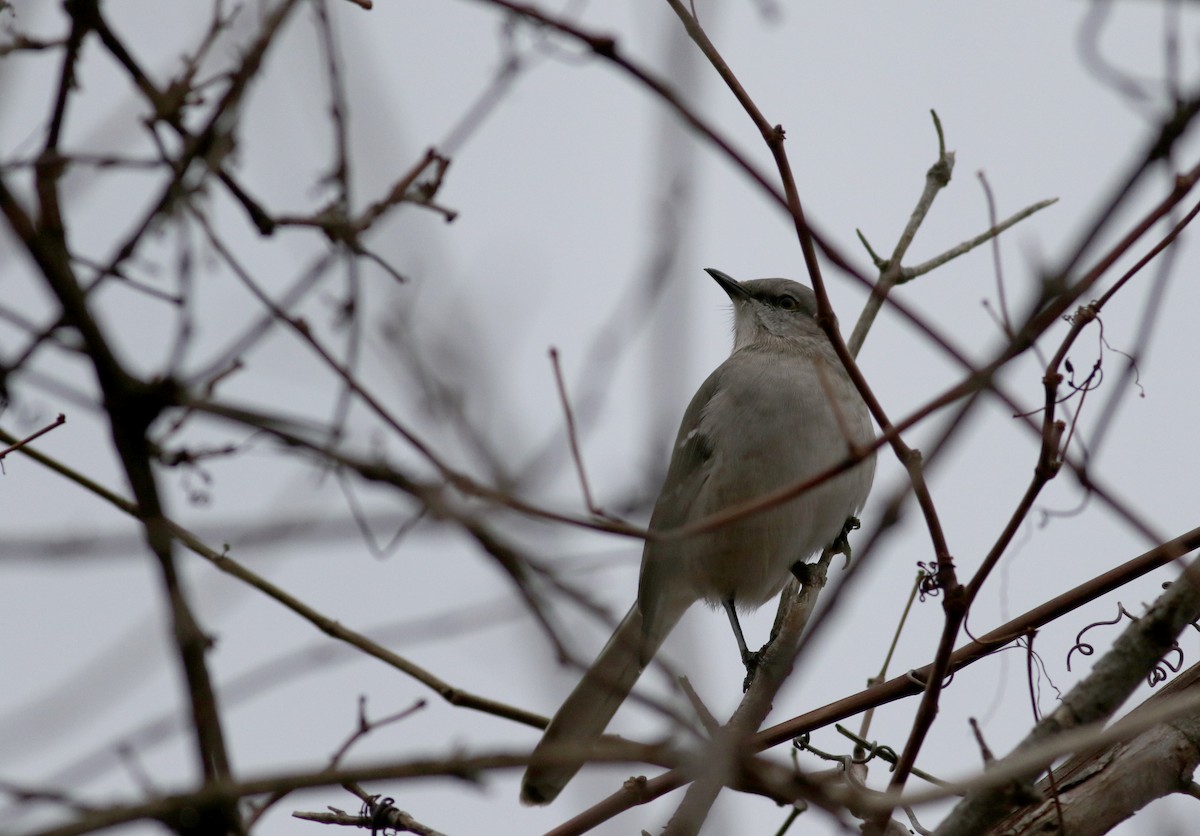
749,657
731,611
804,574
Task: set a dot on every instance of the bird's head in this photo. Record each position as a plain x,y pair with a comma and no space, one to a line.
765,310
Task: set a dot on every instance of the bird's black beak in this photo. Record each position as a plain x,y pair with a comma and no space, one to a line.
728,284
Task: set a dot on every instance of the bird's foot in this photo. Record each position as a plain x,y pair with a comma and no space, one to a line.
752,660
841,543
803,572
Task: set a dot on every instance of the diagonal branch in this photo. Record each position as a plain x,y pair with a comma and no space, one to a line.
905,685
331,627
1094,698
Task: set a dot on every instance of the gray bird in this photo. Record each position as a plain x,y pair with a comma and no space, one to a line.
779,410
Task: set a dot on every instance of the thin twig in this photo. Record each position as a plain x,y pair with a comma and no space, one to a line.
865,728
1001,295
910,273
936,178
572,438
58,422
364,727
331,627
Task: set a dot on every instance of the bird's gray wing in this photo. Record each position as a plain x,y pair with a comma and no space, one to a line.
659,589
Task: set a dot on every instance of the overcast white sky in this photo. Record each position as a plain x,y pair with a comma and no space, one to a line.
559,192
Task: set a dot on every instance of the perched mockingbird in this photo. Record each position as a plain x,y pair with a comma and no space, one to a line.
780,410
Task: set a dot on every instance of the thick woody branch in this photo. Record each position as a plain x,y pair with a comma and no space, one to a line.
1094,699
1097,789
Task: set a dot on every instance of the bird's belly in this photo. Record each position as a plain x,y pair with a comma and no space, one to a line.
748,561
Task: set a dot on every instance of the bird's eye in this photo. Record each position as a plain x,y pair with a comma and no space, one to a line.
788,303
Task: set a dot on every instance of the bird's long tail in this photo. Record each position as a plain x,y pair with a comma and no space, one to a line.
584,715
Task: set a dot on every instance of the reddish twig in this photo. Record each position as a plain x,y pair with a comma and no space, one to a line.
58,422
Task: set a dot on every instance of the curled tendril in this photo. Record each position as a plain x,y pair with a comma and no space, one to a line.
1159,673
875,749
927,580
804,744
871,750
376,813
1086,649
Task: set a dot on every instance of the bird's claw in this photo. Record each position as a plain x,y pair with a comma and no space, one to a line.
752,661
841,543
